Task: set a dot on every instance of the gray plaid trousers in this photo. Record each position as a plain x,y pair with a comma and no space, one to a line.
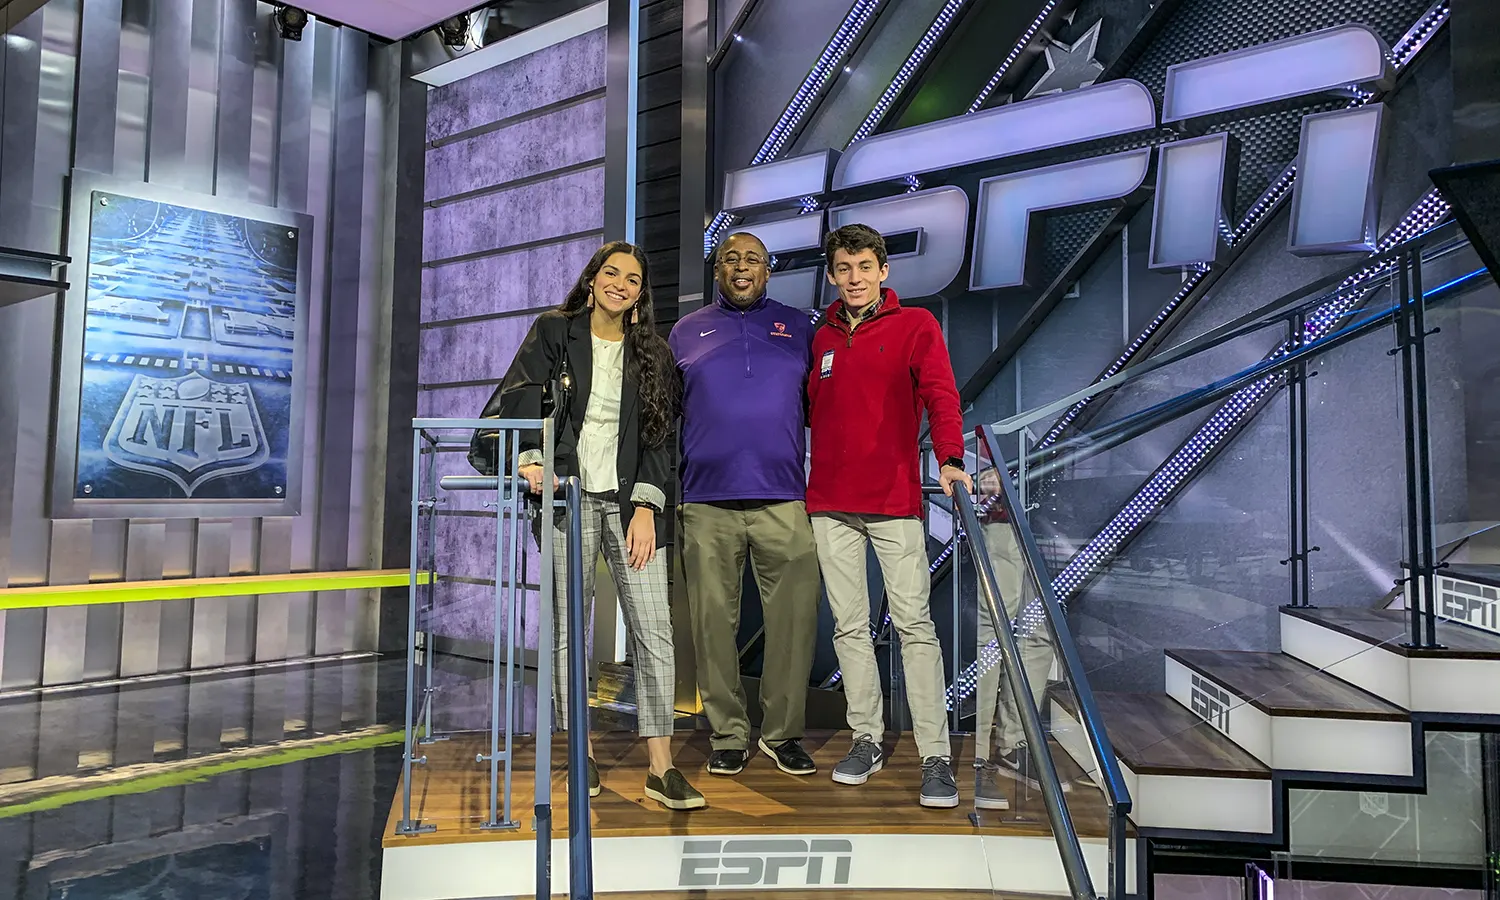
644,599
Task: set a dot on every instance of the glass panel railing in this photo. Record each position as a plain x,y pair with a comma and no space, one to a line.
1270,505
1041,755
479,754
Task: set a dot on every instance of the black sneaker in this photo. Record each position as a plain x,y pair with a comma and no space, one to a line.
864,759
987,793
594,788
790,757
673,791
939,787
727,762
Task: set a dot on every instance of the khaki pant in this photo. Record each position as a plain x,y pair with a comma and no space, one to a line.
993,694
901,550
717,538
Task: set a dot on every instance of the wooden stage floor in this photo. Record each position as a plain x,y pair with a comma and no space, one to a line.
451,793
763,830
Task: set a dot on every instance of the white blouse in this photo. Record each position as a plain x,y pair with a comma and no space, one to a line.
599,438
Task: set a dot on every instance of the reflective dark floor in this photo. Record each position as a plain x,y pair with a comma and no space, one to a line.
265,785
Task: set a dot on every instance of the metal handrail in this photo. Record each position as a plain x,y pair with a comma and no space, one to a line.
1112,780
1091,443
1269,314
580,828
1069,848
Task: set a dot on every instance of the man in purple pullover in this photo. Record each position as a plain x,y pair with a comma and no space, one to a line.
744,361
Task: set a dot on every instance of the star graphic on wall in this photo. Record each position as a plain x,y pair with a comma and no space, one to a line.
1070,66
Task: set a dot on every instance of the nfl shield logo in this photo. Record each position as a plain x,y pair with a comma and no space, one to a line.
188,429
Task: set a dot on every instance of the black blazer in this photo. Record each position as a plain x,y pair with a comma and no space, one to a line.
553,336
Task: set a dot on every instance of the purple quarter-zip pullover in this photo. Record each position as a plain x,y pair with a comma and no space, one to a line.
744,388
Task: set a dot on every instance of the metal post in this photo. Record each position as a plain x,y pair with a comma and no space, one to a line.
544,663
429,591
1022,487
1489,762
955,571
1304,510
581,869
1299,558
505,491
407,825
1409,433
1115,876
1425,566
493,757
515,595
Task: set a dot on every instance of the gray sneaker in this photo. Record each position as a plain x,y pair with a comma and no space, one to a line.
987,792
864,760
939,788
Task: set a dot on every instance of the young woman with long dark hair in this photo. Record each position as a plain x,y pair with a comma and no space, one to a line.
614,434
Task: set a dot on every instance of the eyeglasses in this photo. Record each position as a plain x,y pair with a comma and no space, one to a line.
750,259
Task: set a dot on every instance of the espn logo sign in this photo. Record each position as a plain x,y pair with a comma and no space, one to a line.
765,861
1334,208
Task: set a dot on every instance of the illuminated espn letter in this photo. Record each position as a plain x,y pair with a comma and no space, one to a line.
940,218
1336,199
1009,204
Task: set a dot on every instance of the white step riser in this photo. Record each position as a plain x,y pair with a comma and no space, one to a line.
1433,685
1464,686
1294,743
1375,669
1463,602
1234,805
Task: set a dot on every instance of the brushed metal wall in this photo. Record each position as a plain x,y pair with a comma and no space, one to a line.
201,95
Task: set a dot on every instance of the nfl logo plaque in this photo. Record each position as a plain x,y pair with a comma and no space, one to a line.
182,376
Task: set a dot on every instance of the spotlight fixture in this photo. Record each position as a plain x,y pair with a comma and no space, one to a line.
290,20
454,32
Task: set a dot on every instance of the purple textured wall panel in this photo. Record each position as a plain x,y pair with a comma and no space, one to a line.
556,140
532,279
473,351
559,73
509,124
453,403
466,554
568,204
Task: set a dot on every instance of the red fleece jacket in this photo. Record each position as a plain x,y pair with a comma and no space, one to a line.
866,396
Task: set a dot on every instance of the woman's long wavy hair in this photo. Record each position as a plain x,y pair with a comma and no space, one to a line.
655,372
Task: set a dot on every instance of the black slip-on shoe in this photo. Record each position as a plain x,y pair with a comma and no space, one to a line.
673,791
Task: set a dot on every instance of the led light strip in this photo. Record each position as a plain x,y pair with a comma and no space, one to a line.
1012,56
830,62
935,31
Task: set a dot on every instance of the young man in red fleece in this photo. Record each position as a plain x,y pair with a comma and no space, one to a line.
876,367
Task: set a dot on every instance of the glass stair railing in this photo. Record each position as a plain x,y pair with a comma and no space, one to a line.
1211,552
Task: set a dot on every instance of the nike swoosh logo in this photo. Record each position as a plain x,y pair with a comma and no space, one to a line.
707,333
